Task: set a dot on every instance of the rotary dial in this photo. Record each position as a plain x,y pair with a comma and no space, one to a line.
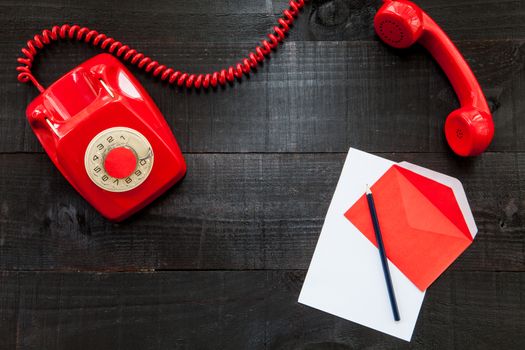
118,159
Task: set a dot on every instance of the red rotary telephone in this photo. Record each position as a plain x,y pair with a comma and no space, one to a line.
107,137
104,132
469,129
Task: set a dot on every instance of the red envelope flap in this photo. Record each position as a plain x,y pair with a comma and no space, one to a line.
419,238
440,196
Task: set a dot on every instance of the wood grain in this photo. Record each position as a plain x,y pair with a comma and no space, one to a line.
233,211
240,310
218,261
372,97
249,20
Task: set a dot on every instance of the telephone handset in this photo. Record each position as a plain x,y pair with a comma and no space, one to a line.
469,129
104,132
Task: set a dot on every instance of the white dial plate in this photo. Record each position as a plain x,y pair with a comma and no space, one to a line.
112,138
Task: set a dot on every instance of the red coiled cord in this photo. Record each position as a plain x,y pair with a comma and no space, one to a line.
127,54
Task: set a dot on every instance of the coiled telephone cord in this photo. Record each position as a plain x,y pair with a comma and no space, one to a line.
165,73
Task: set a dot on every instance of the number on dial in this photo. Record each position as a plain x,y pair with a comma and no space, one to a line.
128,166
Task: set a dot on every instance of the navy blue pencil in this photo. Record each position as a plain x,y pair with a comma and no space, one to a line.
382,254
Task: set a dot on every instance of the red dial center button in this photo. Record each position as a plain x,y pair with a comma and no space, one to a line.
120,162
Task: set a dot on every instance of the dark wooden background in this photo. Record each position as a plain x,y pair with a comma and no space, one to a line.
218,261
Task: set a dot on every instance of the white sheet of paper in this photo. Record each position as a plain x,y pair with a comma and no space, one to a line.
345,277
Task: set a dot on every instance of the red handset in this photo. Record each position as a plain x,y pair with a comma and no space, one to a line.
469,129
104,132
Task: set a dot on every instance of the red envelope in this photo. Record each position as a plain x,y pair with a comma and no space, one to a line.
422,225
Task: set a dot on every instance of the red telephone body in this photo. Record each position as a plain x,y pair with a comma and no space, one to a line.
107,137
103,131
469,129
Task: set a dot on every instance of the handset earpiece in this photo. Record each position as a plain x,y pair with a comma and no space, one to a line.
399,23
469,129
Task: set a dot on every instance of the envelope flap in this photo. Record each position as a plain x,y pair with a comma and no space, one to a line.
456,187
440,196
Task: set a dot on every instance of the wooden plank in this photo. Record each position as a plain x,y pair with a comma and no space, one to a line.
233,211
310,97
240,310
183,20
480,19
250,20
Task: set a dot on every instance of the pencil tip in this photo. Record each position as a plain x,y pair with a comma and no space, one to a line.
368,189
